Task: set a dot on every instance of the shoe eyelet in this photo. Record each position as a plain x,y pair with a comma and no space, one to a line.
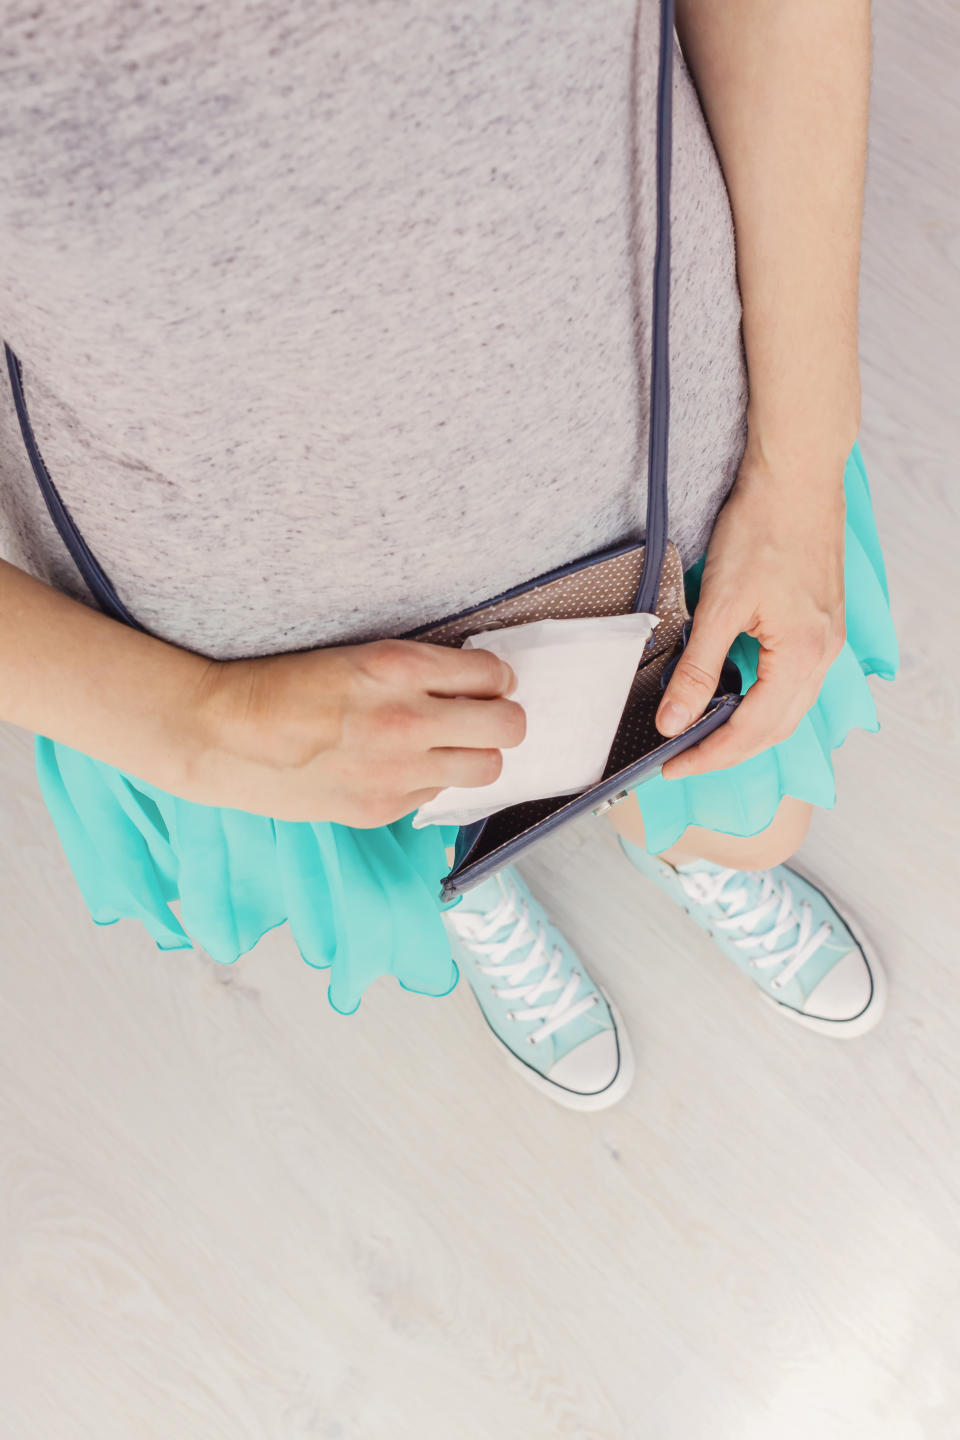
511,1014
531,1040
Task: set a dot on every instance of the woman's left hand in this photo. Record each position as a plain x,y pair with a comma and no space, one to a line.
774,570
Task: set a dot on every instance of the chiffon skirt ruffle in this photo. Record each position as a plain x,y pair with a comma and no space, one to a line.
365,903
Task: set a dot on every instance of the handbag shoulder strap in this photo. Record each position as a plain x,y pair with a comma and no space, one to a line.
86,562
655,543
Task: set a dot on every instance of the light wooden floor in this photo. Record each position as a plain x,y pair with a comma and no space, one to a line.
226,1213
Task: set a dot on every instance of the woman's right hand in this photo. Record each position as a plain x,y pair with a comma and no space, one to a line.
356,734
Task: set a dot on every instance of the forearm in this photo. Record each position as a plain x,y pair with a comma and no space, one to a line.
75,675
784,86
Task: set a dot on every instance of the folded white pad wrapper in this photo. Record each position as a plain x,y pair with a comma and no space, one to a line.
573,680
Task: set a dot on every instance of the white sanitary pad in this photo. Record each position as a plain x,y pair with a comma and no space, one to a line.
573,680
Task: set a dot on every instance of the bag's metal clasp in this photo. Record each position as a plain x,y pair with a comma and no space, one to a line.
611,800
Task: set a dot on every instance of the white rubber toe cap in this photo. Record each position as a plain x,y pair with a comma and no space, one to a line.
590,1067
844,993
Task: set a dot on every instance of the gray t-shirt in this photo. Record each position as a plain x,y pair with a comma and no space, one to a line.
329,313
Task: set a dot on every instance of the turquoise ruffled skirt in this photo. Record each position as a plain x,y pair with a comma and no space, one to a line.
364,903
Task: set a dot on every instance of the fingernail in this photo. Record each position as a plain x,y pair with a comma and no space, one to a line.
509,678
671,718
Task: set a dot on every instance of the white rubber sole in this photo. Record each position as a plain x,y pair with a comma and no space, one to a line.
571,1099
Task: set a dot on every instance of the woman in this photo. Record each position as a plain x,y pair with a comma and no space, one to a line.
327,329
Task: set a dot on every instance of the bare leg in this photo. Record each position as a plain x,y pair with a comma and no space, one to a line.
772,846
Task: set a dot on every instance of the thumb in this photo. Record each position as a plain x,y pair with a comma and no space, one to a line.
695,676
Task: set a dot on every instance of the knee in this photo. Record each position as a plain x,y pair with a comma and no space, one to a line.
782,837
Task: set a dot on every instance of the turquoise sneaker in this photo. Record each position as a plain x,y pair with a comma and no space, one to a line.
561,1031
784,933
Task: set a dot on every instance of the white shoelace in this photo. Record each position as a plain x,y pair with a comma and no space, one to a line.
475,931
710,888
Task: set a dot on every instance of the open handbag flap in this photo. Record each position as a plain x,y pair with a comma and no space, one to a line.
638,751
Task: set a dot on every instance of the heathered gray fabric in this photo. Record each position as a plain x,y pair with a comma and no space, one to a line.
325,309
